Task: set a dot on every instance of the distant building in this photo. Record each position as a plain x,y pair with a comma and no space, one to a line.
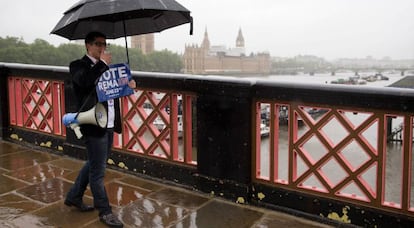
217,59
143,42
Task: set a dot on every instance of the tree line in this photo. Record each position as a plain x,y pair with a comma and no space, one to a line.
40,52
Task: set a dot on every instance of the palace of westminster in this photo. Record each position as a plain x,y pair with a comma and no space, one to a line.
211,59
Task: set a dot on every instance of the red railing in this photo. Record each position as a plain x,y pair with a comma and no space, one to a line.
155,124
336,152
37,104
158,124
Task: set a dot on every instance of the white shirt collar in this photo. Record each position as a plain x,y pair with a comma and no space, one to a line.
92,58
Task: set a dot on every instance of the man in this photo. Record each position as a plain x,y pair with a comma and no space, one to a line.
85,73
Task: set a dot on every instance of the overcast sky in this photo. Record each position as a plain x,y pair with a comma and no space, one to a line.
284,28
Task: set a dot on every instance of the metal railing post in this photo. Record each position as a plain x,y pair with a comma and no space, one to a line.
224,140
4,101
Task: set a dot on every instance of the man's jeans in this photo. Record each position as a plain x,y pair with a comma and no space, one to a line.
93,173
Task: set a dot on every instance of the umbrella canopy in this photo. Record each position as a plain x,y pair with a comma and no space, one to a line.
121,18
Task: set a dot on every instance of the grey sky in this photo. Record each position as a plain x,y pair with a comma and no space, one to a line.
284,28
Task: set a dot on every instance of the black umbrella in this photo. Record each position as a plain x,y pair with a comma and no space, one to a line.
121,18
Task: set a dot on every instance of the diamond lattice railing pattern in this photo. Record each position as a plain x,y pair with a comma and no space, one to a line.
37,104
336,151
157,124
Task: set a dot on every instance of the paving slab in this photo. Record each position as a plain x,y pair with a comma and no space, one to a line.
34,184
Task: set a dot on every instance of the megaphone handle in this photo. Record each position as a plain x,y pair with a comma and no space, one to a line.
76,129
84,103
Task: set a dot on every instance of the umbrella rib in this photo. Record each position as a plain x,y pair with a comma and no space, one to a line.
162,2
126,42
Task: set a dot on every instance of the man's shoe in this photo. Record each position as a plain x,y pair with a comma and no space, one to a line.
111,220
80,206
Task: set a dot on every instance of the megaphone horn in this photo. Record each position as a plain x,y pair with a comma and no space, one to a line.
97,115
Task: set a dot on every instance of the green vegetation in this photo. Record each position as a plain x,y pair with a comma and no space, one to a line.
15,50
300,63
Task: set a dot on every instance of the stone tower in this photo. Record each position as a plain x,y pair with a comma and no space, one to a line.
240,39
143,42
206,42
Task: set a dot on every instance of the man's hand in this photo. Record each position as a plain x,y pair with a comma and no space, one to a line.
132,84
106,57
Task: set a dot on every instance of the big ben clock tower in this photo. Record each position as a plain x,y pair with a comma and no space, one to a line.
240,40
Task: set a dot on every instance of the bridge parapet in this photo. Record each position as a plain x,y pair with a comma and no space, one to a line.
219,148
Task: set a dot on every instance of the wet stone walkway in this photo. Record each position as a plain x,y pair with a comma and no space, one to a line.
33,185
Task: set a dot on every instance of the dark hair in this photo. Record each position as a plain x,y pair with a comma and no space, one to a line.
90,38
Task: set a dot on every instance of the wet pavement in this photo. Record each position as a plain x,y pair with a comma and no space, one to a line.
33,184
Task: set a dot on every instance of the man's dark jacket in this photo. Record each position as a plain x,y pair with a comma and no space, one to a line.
85,75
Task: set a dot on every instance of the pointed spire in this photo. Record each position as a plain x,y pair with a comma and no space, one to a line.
206,42
240,39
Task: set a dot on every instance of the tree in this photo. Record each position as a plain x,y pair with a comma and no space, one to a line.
43,53
68,52
165,61
15,50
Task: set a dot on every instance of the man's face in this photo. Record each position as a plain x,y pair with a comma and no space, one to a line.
97,47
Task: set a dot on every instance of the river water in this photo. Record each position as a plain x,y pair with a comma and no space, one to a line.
354,153
326,78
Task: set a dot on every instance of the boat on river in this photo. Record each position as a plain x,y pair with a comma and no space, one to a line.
264,130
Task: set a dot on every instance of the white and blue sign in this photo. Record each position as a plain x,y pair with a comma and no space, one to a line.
113,83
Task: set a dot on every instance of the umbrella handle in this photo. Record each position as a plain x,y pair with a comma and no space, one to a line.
126,42
191,25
